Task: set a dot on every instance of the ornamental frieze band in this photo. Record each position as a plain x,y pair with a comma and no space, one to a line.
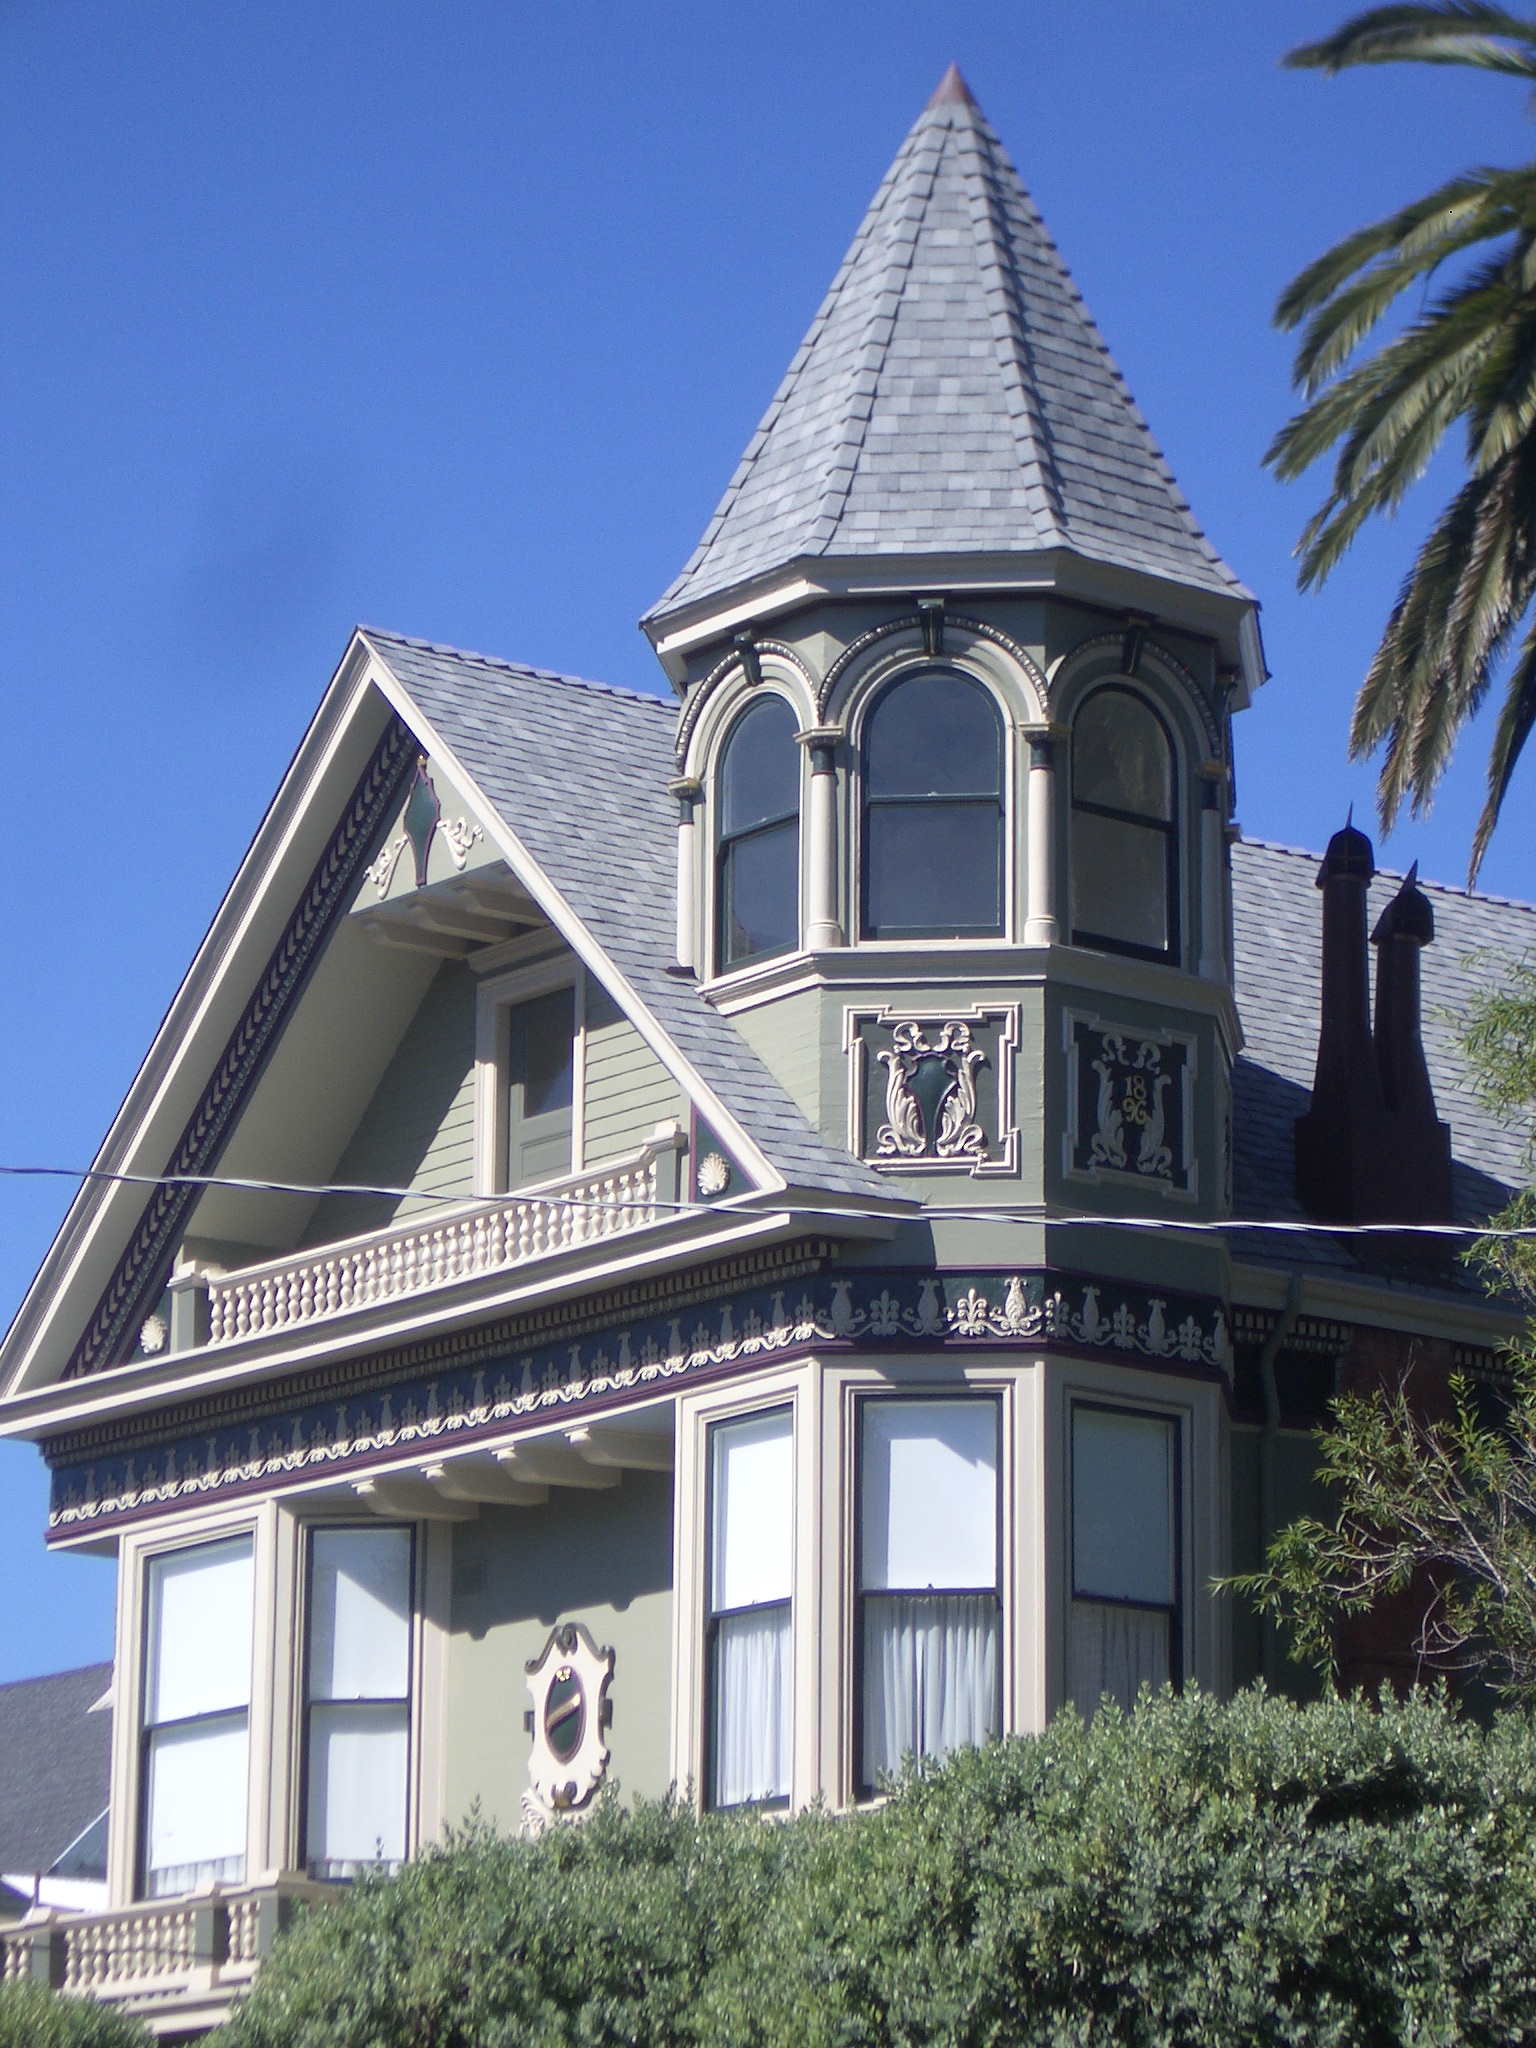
592,1373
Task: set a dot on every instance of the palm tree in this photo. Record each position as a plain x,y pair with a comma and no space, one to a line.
1469,355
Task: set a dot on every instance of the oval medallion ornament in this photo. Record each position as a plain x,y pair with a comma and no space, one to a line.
565,1714
568,1684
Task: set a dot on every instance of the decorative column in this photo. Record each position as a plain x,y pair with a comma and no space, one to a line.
1041,927
1213,914
687,789
822,926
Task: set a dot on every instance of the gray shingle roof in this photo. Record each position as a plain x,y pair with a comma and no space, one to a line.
55,1756
578,771
1278,956
953,395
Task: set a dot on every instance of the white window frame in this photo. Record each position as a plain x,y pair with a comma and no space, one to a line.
495,999
274,1818
792,1388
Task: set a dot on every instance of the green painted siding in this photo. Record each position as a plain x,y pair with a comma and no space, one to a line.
603,1559
628,1090
419,1129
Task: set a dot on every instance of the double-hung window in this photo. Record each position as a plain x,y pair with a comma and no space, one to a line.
541,1087
930,1613
196,1720
1125,1620
751,1548
358,1699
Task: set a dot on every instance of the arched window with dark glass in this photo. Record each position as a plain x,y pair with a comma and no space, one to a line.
758,857
933,812
1124,828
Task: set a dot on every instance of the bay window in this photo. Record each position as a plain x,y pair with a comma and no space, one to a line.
751,1551
196,1716
357,1699
1125,866
757,861
930,1618
1125,1611
933,812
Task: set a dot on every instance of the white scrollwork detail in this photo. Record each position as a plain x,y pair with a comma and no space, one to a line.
459,835
946,1125
381,872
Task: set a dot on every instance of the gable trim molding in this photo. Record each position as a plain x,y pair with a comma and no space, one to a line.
140,1272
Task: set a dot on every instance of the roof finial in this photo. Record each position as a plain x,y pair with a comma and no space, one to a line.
952,90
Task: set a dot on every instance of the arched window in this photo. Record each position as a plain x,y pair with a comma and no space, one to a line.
1124,837
758,858
933,812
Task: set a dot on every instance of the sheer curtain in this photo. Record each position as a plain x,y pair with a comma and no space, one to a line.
930,1675
928,1579
197,1699
752,1706
1123,1627
751,1568
359,1699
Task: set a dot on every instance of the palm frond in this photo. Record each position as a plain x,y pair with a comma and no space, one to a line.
1435,32
1399,231
1516,717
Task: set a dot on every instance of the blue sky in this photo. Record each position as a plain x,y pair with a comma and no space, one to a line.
455,318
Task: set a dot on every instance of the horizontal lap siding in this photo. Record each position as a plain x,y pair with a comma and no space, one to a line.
628,1090
418,1132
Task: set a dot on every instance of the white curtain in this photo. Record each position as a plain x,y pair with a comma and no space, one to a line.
359,1689
196,1702
195,1805
930,1676
1115,1651
752,1706
357,1781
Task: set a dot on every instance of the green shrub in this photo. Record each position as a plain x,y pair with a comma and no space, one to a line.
31,2017
1199,1873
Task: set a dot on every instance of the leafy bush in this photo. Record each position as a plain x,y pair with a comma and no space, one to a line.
1192,1873
31,2017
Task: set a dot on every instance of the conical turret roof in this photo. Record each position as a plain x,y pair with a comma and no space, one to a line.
952,397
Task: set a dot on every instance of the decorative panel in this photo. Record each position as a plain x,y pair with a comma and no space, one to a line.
933,1092
1130,1105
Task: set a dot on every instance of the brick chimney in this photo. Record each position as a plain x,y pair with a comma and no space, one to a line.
1371,1148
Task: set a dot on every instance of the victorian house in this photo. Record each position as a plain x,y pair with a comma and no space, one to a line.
685,1243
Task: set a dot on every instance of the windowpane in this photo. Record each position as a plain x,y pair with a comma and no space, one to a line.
357,1786
931,1676
1123,1475
750,1738
933,869
760,886
195,1802
1116,1650
360,1614
200,1614
1120,756
760,773
934,735
1120,881
929,1495
543,1035
753,1497
360,1607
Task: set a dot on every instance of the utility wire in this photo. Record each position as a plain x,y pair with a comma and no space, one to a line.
945,1212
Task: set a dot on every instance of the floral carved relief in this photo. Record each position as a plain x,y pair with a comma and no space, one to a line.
933,1094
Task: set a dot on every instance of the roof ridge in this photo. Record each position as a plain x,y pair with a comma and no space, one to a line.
521,668
1395,875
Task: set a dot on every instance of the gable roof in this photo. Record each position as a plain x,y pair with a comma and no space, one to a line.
55,1755
952,395
1278,926
578,773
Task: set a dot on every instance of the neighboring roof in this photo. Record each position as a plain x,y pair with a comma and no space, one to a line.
953,395
55,1758
1278,924
578,773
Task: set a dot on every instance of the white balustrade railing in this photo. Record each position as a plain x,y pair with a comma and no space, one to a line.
436,1251
157,1954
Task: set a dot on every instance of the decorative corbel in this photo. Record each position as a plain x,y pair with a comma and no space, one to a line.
930,611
